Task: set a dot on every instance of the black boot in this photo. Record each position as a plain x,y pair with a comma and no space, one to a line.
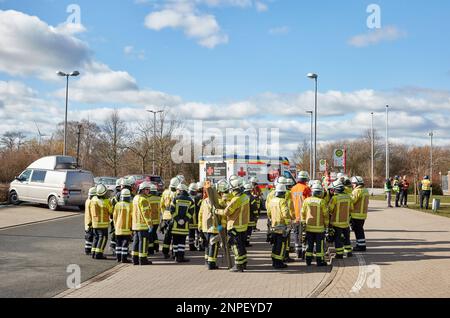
144,261
100,256
151,251
93,254
320,262
156,248
212,266
135,260
339,256
359,248
125,259
349,254
119,257
87,251
192,248
308,260
166,256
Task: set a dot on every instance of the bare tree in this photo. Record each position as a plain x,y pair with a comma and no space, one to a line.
12,139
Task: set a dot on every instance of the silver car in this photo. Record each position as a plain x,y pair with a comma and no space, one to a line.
54,181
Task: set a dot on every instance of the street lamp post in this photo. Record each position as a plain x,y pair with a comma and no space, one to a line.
154,112
387,141
74,73
311,144
315,77
372,150
431,161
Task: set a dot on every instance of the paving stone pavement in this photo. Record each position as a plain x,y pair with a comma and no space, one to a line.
411,250
166,279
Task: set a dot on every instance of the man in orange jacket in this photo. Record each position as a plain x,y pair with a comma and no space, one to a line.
299,193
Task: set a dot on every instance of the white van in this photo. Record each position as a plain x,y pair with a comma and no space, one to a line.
54,181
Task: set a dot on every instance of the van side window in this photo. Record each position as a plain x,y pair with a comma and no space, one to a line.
38,176
25,176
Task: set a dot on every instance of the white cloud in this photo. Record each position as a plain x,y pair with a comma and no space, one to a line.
128,49
261,7
279,30
389,33
51,48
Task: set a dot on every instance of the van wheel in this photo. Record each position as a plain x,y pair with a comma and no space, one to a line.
53,203
14,198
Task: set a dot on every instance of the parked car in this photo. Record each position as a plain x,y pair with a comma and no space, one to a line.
55,181
109,182
156,180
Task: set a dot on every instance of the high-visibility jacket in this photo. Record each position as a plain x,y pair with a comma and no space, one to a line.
396,186
122,218
340,208
237,212
193,223
348,190
387,186
155,209
360,198
166,200
100,210
182,208
207,222
426,185
299,193
254,208
280,214
290,204
87,215
315,214
141,218
269,197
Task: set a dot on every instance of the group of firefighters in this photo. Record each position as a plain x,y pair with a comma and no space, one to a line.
315,211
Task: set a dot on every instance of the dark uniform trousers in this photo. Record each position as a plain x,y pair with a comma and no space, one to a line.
358,228
192,239
342,245
278,248
237,244
140,246
167,236
113,243
179,244
88,239
99,243
404,197
317,239
397,198
425,195
153,243
122,243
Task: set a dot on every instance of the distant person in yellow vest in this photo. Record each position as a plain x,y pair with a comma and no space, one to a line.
425,191
360,199
166,226
141,225
122,218
89,235
100,210
396,186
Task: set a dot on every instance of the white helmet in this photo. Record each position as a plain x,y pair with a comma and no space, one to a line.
339,175
193,187
317,189
101,190
358,180
125,193
119,182
303,176
153,187
236,183
92,191
253,180
144,185
130,181
182,187
280,188
181,178
282,180
248,186
222,186
233,177
200,185
174,182
338,186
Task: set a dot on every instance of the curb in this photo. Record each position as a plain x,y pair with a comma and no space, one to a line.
36,222
98,278
326,281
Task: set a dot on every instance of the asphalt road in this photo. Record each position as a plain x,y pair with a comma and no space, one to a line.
34,258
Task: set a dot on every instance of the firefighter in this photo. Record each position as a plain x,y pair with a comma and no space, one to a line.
315,219
154,201
89,235
396,190
299,193
404,192
360,198
114,200
348,188
193,224
122,223
202,244
388,191
166,226
141,225
254,207
280,221
210,225
182,209
425,191
237,216
256,192
100,211
340,208
289,183
269,197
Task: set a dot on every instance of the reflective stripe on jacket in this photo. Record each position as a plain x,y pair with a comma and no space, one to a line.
87,215
166,201
237,212
299,193
141,219
182,209
155,209
426,185
315,215
100,212
360,198
340,208
280,215
122,218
